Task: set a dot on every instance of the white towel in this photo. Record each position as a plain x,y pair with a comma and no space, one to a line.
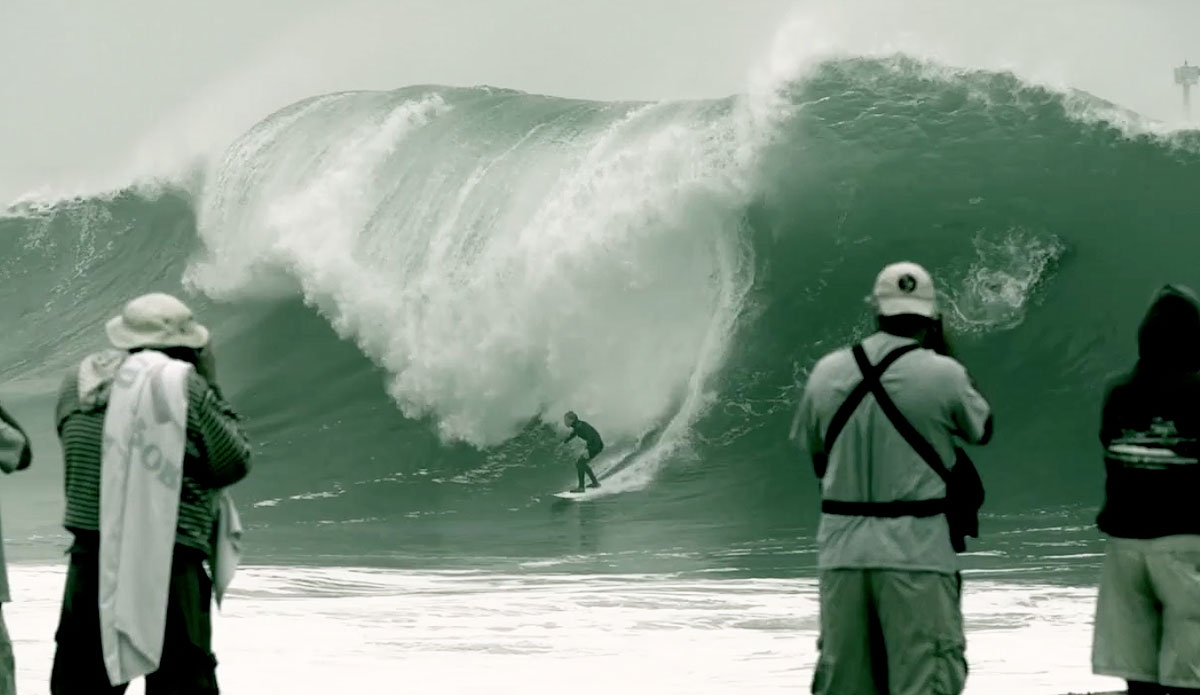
145,428
228,552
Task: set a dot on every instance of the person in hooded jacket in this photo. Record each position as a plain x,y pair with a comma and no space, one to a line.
1147,627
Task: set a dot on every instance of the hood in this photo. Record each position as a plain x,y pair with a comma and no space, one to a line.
1169,337
96,374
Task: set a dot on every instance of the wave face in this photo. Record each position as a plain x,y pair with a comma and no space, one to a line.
669,270
497,277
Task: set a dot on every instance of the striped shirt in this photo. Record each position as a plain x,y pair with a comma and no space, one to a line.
216,454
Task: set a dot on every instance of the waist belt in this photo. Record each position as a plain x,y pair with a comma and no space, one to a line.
886,510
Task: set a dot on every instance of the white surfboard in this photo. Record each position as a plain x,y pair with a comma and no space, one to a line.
603,471
571,495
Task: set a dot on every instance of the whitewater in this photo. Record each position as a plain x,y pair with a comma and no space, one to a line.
319,630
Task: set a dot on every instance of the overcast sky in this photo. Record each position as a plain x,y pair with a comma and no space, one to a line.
95,93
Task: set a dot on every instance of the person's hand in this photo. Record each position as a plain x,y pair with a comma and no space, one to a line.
206,365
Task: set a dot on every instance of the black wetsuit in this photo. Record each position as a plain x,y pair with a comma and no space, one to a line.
595,445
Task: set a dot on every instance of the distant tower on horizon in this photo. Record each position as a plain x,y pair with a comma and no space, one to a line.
1186,76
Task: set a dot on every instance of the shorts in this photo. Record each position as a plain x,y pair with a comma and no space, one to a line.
1148,611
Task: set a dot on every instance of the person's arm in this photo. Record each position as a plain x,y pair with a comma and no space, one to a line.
15,452
1111,420
969,411
806,432
571,436
798,419
226,447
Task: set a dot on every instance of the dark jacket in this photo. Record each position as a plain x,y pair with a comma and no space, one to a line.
1150,426
589,435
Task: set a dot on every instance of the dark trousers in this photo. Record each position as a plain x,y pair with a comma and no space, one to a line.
1142,688
582,467
187,667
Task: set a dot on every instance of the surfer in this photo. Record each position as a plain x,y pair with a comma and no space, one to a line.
595,445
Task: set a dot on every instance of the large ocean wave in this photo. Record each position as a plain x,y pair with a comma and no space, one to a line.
491,258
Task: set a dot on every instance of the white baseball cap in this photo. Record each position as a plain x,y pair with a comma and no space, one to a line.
156,320
905,288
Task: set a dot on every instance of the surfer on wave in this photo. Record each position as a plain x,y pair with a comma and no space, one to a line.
595,445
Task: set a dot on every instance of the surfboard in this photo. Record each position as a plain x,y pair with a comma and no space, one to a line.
604,470
569,495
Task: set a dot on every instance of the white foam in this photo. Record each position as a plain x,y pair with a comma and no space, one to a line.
603,273
995,291
318,630
256,214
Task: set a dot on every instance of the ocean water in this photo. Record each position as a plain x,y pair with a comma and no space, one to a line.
408,288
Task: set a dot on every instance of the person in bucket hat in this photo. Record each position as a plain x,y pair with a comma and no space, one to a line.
157,344
156,320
